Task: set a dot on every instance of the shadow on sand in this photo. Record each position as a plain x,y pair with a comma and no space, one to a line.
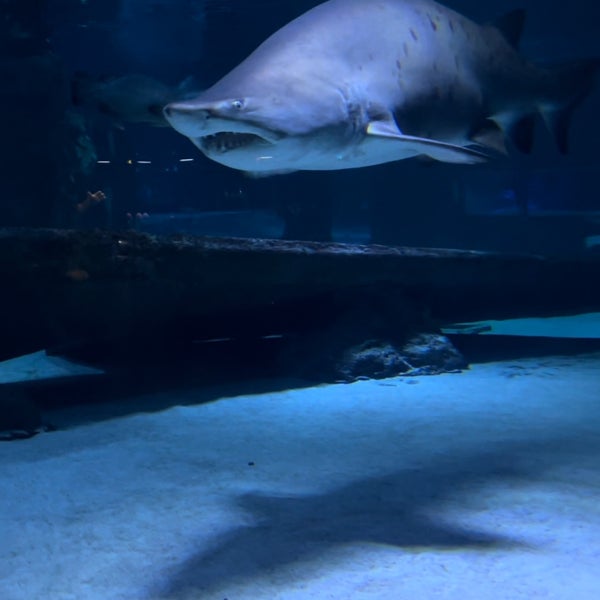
403,509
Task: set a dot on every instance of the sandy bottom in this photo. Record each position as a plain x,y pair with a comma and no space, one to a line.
467,486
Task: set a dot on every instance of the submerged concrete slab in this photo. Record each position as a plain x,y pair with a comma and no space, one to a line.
63,286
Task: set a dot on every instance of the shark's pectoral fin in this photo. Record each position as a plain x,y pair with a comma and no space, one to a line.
437,150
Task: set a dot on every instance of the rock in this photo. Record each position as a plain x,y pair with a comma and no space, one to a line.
423,354
373,360
433,353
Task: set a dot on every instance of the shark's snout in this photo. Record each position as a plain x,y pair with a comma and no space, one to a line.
175,109
216,127
188,119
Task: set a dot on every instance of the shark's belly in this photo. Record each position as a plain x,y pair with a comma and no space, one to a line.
317,153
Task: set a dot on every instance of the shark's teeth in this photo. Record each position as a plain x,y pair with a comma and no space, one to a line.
227,140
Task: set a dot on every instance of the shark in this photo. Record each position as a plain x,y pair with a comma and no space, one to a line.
132,98
355,83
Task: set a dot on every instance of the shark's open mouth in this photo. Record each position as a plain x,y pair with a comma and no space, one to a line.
225,141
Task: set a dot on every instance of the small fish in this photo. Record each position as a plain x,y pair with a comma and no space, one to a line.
129,98
91,199
77,275
353,83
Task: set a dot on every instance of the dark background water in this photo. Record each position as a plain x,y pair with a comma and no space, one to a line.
543,202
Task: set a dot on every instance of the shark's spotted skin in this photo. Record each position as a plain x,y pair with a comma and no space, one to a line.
353,83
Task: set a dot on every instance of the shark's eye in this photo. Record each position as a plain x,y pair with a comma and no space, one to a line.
237,104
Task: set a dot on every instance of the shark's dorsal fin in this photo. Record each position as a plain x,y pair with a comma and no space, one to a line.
511,26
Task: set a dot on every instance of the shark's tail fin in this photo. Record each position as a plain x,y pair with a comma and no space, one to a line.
572,83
